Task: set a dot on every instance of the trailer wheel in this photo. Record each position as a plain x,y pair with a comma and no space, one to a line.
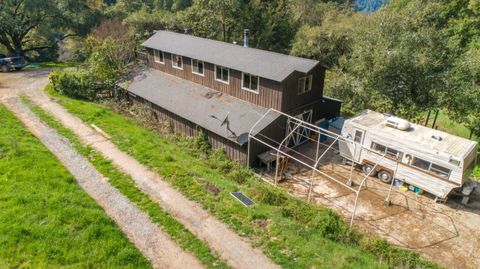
385,176
367,170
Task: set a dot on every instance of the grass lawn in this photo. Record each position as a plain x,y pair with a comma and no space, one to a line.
51,65
46,220
127,187
292,233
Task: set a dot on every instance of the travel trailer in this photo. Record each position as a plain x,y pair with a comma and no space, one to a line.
389,147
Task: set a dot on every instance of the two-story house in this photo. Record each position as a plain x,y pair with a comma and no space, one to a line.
225,89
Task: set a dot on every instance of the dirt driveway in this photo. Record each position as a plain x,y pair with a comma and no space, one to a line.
235,250
154,244
447,233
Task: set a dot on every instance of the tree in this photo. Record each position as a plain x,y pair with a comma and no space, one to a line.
212,18
270,22
462,98
112,48
328,41
144,22
21,19
398,61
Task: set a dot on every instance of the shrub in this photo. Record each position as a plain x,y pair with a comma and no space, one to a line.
324,220
218,161
77,83
395,257
268,195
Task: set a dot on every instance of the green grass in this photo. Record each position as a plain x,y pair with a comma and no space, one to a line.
292,233
127,187
46,220
51,65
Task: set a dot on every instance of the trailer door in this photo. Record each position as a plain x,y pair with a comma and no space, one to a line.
358,138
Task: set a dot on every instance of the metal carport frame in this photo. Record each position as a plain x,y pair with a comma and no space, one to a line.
280,150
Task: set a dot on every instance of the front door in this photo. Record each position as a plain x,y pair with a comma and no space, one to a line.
301,134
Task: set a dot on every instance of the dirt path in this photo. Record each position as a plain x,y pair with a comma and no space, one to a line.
235,250
154,244
447,234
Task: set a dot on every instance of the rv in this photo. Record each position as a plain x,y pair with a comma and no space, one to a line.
390,148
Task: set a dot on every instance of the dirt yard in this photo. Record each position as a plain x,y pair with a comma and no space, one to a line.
445,233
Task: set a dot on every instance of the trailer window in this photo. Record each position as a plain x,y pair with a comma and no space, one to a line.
378,148
417,162
434,168
440,171
394,154
389,152
358,136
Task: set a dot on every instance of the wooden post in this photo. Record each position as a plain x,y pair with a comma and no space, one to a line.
435,119
428,117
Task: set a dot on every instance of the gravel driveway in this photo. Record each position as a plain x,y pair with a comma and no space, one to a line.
154,244
235,250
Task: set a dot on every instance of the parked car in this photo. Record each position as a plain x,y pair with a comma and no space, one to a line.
11,63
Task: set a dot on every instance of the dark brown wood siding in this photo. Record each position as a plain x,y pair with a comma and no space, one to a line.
185,127
324,108
291,98
273,134
269,96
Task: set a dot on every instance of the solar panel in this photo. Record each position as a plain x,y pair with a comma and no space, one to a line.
242,198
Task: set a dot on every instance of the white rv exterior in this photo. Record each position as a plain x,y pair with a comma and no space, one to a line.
431,160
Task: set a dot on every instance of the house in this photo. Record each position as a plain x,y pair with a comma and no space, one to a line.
224,89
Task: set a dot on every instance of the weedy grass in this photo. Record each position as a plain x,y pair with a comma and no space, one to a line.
46,219
292,233
51,65
127,187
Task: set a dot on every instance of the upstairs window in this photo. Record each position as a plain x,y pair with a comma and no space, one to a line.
221,74
197,67
177,61
158,56
250,82
305,84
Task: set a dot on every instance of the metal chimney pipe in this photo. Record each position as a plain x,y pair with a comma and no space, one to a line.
246,37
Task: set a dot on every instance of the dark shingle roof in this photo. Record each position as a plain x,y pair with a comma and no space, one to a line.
220,113
267,64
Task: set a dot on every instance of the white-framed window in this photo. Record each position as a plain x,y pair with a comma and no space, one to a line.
431,167
197,67
158,56
250,82
389,152
222,74
305,84
177,61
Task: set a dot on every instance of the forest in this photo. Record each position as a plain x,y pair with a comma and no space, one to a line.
405,57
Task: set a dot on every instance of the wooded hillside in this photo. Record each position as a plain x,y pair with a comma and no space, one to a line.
407,58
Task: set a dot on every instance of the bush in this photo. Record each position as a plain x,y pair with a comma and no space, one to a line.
395,257
218,160
268,195
77,83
